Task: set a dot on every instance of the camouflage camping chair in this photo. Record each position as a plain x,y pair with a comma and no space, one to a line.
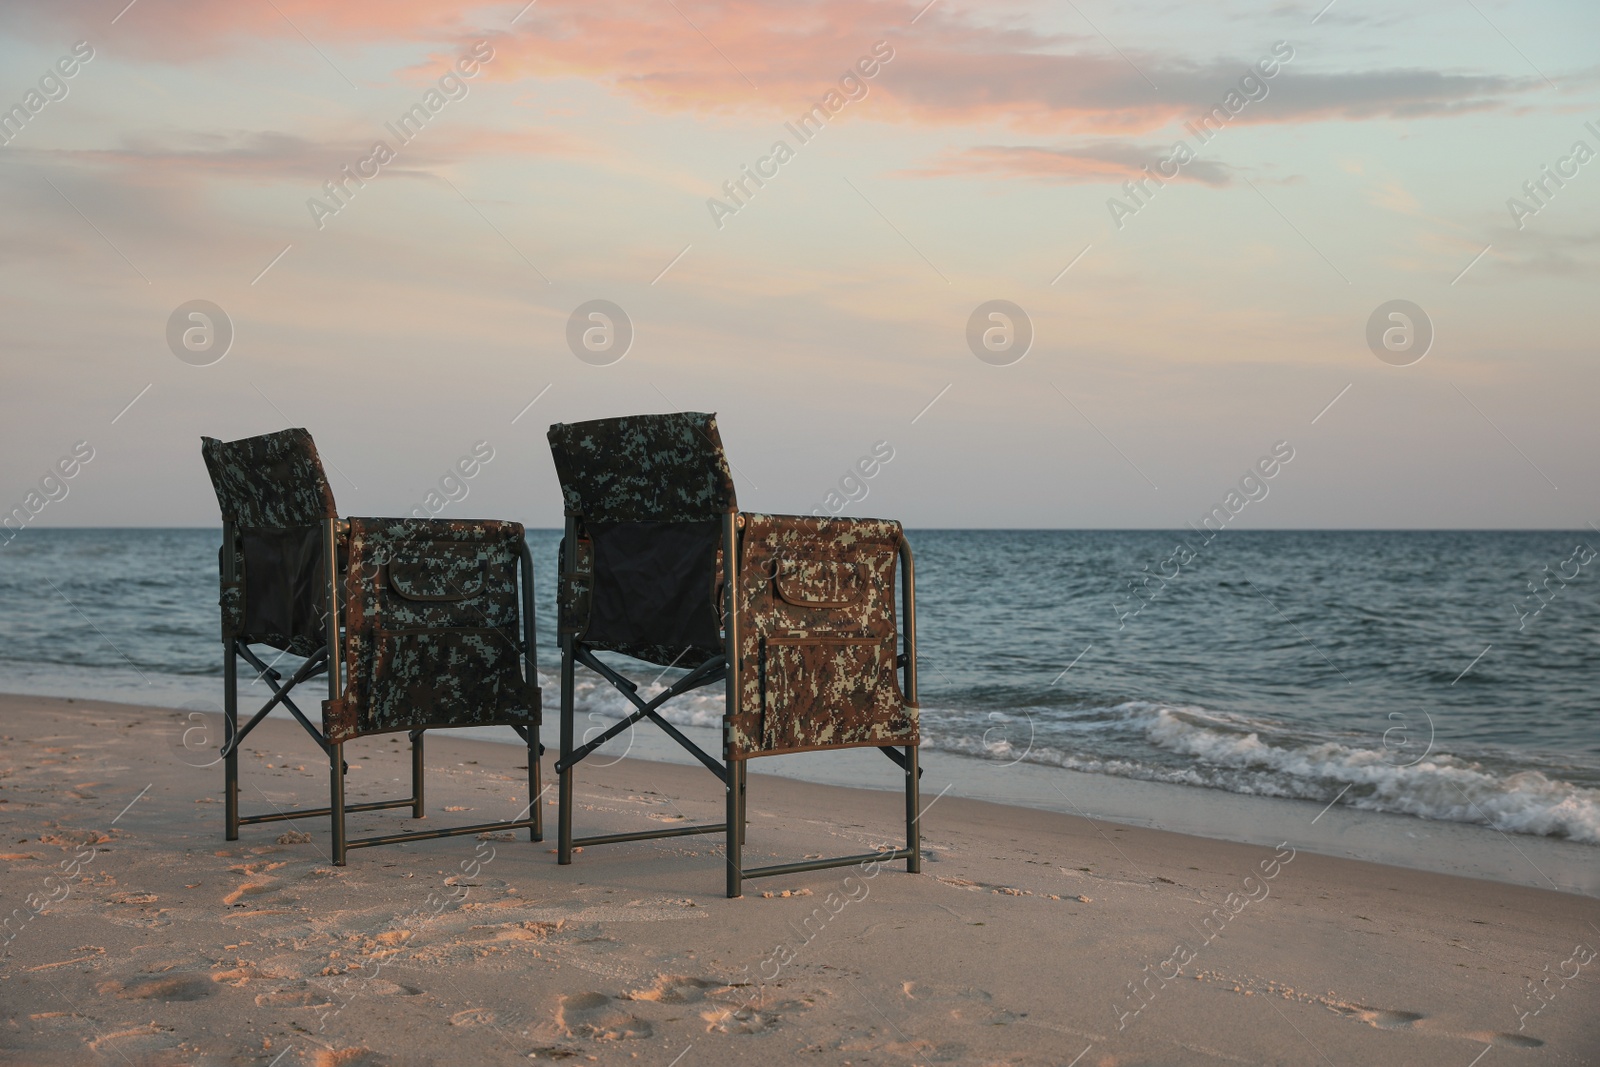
418,623
794,615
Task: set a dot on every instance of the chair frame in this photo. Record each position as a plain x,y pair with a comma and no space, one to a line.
733,773
234,649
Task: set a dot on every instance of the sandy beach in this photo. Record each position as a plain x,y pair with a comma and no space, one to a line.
137,935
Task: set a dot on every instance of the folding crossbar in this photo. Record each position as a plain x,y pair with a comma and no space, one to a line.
708,673
280,694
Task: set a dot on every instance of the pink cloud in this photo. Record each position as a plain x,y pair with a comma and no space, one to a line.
1099,162
773,58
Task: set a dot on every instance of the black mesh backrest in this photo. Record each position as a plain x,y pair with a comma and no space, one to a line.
274,480
643,468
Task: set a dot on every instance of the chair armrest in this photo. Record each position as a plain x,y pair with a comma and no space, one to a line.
818,635
817,562
814,532
370,535
438,629
406,564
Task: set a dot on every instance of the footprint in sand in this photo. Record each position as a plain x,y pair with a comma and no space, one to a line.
1503,1040
67,837
676,989
298,995
737,1021
526,931
1386,1019
146,1039
132,897
966,1004
1378,1017
736,1010
348,1057
240,897
597,1015
241,975
168,989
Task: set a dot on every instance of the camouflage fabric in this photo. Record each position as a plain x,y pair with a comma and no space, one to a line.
272,480
665,468
231,601
572,596
432,629
818,639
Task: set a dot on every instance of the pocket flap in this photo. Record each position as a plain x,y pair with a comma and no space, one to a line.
441,575
818,583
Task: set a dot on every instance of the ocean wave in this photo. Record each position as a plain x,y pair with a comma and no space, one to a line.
1194,746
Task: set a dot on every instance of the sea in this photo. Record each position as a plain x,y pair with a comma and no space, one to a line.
1422,678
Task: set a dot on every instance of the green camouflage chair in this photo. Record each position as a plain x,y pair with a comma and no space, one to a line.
424,622
795,615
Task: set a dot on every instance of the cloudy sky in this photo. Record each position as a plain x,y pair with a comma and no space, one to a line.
1175,330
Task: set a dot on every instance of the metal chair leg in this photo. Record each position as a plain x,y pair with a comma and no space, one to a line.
417,811
744,810
336,801
564,788
230,762
535,790
735,868
913,813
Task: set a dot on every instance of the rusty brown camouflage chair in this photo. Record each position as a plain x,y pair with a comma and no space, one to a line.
803,636
424,622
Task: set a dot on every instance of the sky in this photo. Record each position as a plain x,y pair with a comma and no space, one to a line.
1179,301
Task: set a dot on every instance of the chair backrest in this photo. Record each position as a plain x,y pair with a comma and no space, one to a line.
274,480
649,493
273,490
643,468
